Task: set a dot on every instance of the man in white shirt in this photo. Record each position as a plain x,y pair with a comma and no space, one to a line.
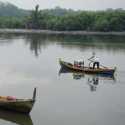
95,60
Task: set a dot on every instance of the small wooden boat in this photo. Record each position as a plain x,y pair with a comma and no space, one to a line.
88,70
79,75
18,105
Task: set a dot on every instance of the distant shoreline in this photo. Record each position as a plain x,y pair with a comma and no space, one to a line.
51,32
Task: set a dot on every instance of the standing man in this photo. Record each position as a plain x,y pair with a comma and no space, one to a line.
95,60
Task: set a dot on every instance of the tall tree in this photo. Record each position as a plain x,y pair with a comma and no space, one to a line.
34,19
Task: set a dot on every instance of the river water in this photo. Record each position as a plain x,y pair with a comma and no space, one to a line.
31,60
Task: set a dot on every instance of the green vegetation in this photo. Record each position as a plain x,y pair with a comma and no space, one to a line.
12,22
62,19
11,16
68,20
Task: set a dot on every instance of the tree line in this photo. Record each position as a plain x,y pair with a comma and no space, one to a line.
68,20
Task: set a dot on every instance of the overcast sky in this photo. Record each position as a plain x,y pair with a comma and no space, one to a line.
73,4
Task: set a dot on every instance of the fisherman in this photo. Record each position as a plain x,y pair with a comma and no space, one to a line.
75,63
82,64
94,60
79,63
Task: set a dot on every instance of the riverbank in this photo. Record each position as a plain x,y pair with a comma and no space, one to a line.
30,31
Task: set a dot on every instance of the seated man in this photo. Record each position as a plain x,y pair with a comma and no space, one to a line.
79,64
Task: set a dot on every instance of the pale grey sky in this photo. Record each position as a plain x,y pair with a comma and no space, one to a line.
73,4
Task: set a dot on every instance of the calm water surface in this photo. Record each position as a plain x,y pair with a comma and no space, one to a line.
28,61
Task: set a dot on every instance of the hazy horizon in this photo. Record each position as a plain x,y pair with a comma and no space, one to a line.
69,4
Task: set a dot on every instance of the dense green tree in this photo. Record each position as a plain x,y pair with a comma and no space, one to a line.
62,19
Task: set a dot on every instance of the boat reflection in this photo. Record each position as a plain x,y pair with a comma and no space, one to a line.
92,80
15,118
93,83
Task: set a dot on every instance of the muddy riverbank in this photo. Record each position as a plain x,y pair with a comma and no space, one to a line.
59,32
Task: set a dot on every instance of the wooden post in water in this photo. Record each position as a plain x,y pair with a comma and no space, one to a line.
34,94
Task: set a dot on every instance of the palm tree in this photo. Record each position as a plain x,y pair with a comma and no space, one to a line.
34,19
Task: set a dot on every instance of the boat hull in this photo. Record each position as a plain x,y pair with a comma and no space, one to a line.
19,105
15,117
88,70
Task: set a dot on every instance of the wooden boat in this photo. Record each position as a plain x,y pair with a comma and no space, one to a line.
18,105
79,75
88,70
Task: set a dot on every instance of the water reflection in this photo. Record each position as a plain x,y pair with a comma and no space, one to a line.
68,99
93,83
92,80
17,118
78,75
37,42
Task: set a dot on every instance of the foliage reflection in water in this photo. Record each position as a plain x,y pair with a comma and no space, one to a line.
37,42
